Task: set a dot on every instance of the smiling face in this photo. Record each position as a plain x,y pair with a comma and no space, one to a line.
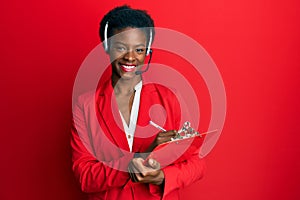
127,51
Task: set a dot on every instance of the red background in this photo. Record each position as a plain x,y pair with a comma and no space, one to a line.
255,45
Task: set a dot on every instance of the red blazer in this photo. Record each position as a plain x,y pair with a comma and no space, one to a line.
100,152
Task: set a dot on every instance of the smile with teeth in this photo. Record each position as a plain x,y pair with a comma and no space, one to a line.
128,68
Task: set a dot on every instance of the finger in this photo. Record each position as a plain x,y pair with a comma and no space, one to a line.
131,175
142,171
154,164
164,139
138,165
133,171
167,134
134,176
152,168
131,167
139,178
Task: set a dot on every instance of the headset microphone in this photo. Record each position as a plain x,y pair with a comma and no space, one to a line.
148,65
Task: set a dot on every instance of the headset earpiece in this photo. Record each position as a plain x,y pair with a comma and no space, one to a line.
149,44
105,37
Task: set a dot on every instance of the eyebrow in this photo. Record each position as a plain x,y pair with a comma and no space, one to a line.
126,44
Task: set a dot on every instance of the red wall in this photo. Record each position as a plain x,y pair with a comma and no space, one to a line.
255,45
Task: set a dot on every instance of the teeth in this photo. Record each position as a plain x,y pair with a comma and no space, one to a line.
129,67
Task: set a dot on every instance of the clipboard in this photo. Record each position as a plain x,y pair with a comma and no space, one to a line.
181,148
175,151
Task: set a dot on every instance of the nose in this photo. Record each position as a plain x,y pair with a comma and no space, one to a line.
130,55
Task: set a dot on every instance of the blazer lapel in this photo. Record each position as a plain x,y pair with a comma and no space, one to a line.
109,117
144,133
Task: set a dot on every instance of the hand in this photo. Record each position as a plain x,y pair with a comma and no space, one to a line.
162,137
145,174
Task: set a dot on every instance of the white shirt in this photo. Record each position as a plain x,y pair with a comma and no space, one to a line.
129,130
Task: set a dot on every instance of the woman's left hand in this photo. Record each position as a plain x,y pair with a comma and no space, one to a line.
151,173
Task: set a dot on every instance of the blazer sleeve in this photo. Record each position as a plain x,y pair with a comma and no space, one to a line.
92,174
181,174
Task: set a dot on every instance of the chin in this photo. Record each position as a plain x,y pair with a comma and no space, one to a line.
127,75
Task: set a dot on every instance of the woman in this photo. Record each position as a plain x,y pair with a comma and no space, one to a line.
107,149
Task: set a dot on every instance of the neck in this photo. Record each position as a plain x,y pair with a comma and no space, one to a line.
124,86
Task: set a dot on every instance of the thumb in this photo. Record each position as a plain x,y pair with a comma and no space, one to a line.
153,164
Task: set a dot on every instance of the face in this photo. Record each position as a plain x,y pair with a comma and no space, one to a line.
127,52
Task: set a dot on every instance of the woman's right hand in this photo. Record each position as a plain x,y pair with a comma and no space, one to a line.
162,137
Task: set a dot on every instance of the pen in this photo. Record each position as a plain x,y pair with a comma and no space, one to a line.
157,126
201,134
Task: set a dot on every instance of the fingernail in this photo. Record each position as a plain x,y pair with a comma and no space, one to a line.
151,161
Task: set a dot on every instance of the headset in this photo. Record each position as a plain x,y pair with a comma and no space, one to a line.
148,51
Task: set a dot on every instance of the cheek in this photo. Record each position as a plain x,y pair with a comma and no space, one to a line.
141,58
113,57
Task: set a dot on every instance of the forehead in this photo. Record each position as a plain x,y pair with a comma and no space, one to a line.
130,36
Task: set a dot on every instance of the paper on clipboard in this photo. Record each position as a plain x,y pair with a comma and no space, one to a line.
178,150
175,151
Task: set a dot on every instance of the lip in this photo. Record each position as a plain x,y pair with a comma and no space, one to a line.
127,67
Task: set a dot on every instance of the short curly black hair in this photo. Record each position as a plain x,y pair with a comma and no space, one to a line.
124,16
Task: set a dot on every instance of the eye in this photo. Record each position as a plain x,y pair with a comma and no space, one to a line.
140,50
120,48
